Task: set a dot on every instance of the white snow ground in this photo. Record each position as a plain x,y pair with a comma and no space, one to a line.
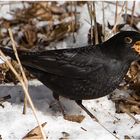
14,125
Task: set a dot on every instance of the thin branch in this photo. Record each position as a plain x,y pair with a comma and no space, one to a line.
116,17
95,24
116,13
110,2
73,14
126,100
90,15
75,20
129,114
103,10
21,68
132,14
114,27
126,9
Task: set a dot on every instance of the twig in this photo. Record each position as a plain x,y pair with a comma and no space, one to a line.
75,20
126,100
132,14
126,9
90,15
120,99
73,14
114,27
120,6
116,17
95,24
8,2
87,21
128,113
103,10
95,119
116,13
21,68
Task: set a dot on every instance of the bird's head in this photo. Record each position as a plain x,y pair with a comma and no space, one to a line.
129,39
125,44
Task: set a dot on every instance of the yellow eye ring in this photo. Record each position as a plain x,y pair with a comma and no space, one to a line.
128,40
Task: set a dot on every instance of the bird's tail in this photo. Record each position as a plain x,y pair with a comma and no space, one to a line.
22,54
8,52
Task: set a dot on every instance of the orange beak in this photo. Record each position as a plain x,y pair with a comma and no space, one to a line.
137,47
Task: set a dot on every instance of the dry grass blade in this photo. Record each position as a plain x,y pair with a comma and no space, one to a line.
95,24
103,11
117,15
120,5
90,15
23,82
21,68
126,9
116,18
132,15
73,24
25,90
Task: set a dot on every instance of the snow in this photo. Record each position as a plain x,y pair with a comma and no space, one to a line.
14,125
12,119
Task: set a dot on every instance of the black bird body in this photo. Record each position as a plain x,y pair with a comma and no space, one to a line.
74,75
82,73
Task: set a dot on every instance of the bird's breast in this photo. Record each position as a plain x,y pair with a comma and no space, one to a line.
102,83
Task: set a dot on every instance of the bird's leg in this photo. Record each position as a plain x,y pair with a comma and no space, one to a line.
56,96
79,102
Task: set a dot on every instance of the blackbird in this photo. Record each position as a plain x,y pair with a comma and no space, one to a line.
83,73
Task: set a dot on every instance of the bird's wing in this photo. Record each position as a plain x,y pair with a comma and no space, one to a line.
72,63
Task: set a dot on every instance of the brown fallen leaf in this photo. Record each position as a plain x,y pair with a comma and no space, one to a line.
126,137
57,9
34,134
135,109
126,109
74,118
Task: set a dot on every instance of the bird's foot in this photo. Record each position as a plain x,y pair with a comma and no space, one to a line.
57,102
79,102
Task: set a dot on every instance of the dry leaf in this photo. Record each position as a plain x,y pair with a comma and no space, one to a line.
135,109
57,10
34,134
126,137
74,118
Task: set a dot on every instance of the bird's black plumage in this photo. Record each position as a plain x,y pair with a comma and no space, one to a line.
83,73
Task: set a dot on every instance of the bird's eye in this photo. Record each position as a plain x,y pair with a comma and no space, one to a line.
128,40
